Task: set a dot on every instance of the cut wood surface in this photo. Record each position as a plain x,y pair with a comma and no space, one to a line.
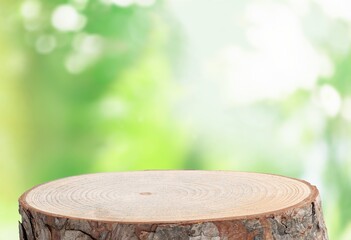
173,205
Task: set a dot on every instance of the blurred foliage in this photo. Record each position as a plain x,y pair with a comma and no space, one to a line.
114,85
84,100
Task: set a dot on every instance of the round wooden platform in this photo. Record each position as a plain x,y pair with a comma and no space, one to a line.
168,197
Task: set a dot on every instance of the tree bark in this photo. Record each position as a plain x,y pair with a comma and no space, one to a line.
301,221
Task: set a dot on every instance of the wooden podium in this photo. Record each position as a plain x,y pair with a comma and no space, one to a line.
175,205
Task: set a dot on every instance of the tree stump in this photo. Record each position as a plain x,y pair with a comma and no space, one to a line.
160,205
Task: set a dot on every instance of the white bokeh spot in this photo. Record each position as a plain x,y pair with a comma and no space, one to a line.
330,100
30,9
45,44
87,49
145,3
66,18
281,62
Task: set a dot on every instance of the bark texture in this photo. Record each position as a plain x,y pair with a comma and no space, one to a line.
304,222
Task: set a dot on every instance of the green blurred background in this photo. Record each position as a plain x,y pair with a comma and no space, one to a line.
114,85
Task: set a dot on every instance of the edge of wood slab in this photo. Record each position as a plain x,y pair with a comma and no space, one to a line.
313,197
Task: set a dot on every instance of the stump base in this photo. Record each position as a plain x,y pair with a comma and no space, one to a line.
173,205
